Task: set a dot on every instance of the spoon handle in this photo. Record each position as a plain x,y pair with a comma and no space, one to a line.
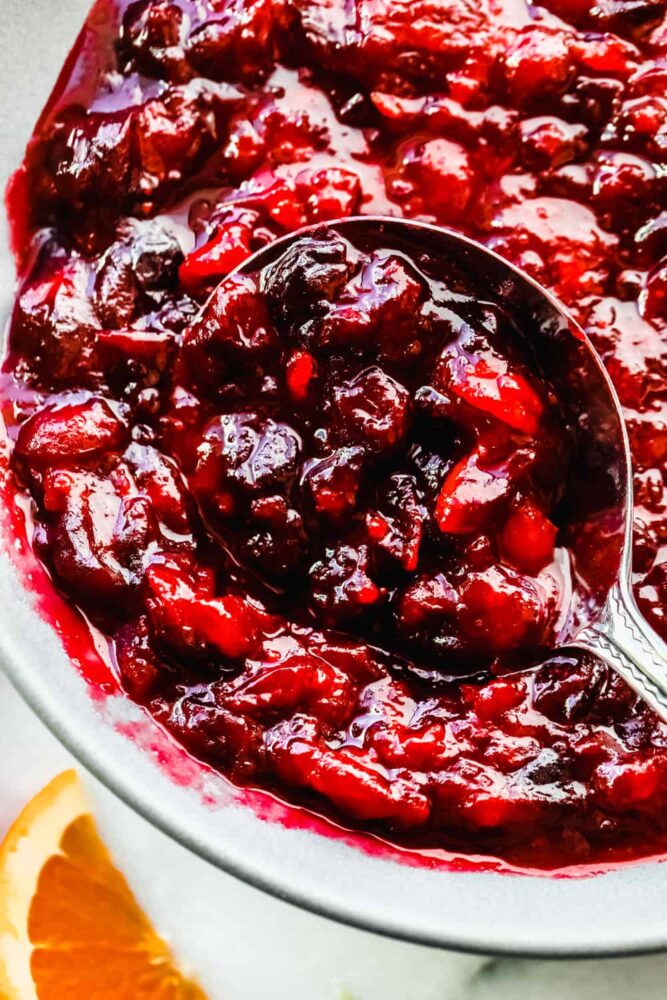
628,644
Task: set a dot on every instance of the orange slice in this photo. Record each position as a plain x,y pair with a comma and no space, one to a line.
70,928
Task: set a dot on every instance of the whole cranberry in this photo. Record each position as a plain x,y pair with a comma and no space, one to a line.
274,540
442,174
243,455
152,37
538,63
371,410
306,276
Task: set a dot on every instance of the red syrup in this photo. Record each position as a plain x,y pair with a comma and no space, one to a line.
182,137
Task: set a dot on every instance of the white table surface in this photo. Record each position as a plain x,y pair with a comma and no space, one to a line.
243,944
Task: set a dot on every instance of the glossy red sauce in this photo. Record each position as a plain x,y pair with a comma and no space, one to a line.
217,491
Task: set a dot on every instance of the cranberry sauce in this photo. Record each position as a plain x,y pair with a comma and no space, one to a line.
372,442
318,510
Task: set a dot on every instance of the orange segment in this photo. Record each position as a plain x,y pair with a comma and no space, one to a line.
70,926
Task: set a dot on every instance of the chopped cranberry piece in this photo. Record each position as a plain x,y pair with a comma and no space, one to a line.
528,538
210,730
299,682
495,699
620,334
300,370
187,617
245,454
55,321
97,537
275,540
152,36
640,124
549,142
141,263
234,327
607,54
381,304
328,194
558,241
538,63
173,135
135,156
71,430
350,783
421,748
441,173
237,43
503,610
401,45
87,153
371,410
139,667
309,274
280,200
341,583
131,357
221,254
487,810
624,785
653,301
622,176
160,478
333,482
471,494
398,528
492,384
428,598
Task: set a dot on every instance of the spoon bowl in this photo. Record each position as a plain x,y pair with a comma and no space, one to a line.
602,617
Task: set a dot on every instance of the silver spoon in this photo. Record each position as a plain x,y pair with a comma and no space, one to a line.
607,622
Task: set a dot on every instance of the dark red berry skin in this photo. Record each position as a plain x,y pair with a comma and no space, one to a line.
316,511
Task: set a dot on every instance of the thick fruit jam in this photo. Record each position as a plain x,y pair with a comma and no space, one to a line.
317,508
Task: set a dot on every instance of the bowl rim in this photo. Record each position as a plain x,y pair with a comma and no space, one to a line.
473,911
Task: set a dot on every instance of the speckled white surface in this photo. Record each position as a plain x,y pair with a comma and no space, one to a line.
244,945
